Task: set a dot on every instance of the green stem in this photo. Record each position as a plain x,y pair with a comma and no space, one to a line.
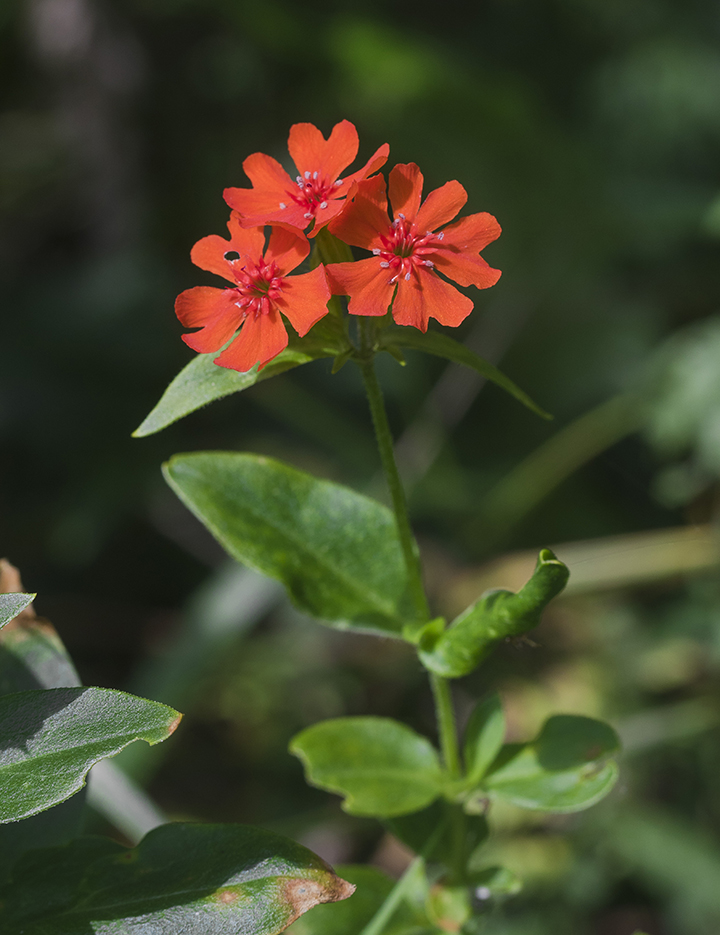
404,885
381,918
447,728
387,456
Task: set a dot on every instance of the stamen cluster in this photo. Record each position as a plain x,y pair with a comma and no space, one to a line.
259,285
403,248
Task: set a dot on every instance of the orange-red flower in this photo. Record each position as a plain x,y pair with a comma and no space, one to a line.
261,290
318,189
407,255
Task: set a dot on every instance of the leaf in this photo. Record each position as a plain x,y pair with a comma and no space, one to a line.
336,551
190,878
484,736
49,740
32,656
201,382
497,615
382,767
564,770
441,345
352,915
13,604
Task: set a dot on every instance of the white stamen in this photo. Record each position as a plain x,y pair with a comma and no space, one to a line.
407,277
308,215
282,206
429,263
314,175
377,251
440,235
338,182
307,175
298,179
385,264
400,215
323,204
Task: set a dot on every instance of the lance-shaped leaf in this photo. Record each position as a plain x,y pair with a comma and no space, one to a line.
201,381
382,767
182,878
496,616
13,604
49,740
336,551
567,768
441,345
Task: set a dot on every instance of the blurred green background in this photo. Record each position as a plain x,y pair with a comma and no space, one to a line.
591,129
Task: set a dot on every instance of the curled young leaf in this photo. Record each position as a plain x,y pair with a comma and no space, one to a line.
497,615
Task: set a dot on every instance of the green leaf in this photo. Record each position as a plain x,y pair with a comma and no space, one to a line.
382,767
202,381
190,878
484,737
441,345
336,551
32,656
13,604
564,770
50,739
496,616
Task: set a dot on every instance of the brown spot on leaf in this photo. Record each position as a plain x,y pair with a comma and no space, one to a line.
11,583
302,893
172,727
227,897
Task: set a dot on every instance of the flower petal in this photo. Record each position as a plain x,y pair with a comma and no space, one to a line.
472,233
215,310
261,338
441,206
366,282
311,152
364,218
405,190
375,162
304,299
288,247
209,253
323,216
426,296
272,187
466,269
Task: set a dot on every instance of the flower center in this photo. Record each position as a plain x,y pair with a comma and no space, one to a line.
404,248
258,285
313,192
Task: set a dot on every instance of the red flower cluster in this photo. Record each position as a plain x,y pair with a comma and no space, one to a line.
407,252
